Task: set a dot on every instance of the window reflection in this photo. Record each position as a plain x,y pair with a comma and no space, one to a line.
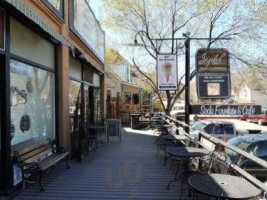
32,105
55,3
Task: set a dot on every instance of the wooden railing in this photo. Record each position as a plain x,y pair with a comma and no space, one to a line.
209,142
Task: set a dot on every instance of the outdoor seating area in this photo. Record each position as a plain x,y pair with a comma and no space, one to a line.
148,164
201,173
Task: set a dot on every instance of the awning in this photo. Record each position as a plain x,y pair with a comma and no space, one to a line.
77,53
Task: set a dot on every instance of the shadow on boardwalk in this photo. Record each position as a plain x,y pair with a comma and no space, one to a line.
127,170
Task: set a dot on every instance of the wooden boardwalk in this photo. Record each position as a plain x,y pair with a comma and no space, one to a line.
129,170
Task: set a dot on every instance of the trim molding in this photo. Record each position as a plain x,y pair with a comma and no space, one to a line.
38,20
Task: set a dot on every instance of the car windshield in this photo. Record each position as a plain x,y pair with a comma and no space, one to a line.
228,129
239,143
197,126
178,108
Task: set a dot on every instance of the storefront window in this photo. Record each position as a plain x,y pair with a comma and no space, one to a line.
82,20
88,74
128,97
27,44
74,100
96,80
32,105
97,106
56,4
75,70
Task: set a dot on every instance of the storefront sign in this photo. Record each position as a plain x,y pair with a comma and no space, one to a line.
213,74
226,110
167,71
212,61
213,86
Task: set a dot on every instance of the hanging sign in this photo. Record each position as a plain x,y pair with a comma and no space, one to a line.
247,110
212,61
213,74
213,86
167,71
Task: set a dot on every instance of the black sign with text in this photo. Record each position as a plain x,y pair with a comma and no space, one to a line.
213,74
244,110
213,86
212,61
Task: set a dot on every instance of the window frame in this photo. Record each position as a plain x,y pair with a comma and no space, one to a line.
130,102
212,124
58,13
78,35
4,47
44,68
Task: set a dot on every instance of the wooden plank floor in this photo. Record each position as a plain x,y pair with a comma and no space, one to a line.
129,170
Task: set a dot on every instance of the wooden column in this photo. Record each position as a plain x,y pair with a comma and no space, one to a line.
63,96
63,84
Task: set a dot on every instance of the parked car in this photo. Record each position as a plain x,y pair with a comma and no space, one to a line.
178,112
263,114
255,144
260,121
220,129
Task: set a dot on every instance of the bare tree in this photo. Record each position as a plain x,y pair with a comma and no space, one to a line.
216,19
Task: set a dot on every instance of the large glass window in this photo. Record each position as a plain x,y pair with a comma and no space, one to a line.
32,105
75,70
74,101
97,106
31,46
56,4
85,24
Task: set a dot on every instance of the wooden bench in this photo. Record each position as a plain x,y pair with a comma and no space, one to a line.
39,160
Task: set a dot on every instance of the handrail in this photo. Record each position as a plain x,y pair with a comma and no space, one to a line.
255,159
177,121
215,141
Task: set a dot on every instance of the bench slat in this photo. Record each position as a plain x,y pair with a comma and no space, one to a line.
52,160
35,152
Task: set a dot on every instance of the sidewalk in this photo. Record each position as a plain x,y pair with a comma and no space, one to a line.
129,170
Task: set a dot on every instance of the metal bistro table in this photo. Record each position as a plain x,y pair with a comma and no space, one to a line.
174,137
185,153
222,186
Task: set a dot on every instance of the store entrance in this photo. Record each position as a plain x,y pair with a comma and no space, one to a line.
83,114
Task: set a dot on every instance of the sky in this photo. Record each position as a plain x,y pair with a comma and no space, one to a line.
114,39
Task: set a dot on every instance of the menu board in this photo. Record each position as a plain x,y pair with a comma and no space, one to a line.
113,128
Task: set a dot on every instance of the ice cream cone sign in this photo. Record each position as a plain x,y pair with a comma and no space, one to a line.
167,70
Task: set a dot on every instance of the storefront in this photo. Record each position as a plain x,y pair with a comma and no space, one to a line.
28,93
44,76
84,103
